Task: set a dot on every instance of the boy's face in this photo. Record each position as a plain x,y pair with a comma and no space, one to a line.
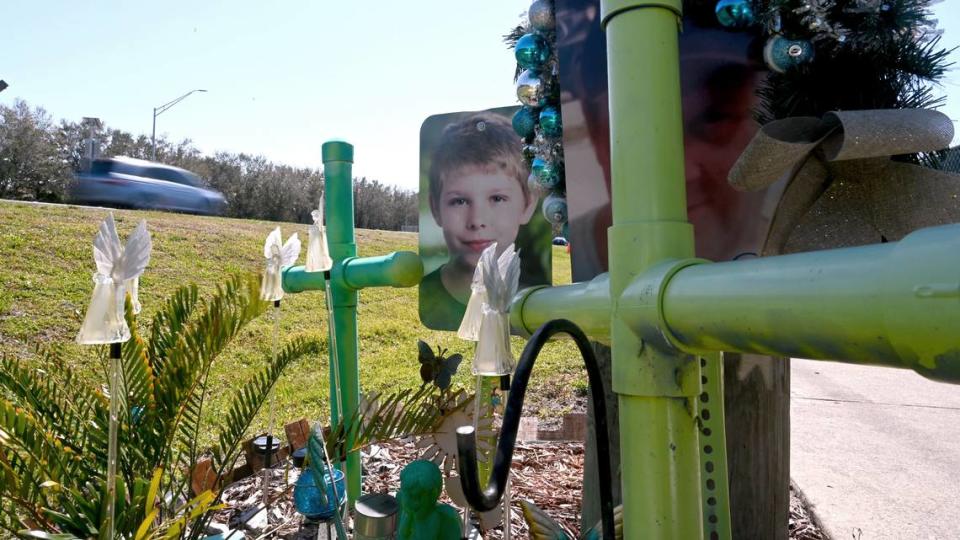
479,206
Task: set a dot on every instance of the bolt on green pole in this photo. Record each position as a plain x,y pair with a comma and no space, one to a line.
338,173
657,390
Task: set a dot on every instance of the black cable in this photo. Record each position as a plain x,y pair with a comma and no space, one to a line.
487,499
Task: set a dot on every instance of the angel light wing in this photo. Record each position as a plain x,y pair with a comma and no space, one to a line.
136,254
318,214
511,277
106,247
290,251
505,258
273,239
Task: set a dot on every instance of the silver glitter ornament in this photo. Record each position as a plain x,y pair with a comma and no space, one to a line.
541,15
530,89
782,54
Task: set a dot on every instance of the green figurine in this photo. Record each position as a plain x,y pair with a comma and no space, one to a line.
421,517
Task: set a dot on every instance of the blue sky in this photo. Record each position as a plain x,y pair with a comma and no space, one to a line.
282,77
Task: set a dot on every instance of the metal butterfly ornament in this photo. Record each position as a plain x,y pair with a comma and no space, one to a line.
437,368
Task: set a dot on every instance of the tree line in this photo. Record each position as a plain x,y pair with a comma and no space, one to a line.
39,156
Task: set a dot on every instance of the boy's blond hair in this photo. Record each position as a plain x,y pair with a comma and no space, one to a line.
484,141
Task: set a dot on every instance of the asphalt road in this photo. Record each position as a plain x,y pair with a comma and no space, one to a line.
876,450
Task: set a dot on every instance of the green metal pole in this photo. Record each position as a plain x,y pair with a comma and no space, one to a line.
657,390
338,173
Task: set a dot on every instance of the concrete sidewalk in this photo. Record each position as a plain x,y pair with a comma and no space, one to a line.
876,451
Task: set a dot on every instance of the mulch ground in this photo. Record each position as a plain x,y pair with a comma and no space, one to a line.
547,473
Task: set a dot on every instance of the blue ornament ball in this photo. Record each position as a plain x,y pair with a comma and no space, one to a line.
530,89
550,123
532,51
782,54
734,13
546,171
524,122
555,209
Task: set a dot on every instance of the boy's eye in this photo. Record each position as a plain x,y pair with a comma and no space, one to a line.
457,201
498,198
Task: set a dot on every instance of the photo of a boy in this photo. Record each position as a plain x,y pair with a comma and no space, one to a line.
478,195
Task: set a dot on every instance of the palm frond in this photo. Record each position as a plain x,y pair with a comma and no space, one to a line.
248,400
397,415
170,320
54,426
33,455
55,395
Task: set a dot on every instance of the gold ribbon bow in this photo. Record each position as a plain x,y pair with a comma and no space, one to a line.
841,188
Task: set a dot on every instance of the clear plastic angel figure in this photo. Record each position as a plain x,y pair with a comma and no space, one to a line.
278,256
318,254
501,277
118,271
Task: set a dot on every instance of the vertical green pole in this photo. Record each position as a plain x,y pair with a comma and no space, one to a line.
338,173
657,390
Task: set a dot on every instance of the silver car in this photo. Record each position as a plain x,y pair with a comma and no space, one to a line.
135,183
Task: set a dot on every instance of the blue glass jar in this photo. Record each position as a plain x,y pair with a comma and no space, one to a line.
306,494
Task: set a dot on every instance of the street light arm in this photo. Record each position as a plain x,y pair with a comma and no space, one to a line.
163,108
157,111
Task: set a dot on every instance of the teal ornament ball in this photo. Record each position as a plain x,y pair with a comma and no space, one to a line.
524,122
555,209
541,15
550,123
546,171
530,89
782,54
734,13
532,51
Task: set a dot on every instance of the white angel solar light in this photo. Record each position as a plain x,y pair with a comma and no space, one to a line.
473,315
501,277
118,272
318,254
278,255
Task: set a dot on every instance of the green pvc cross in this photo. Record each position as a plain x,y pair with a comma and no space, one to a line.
348,275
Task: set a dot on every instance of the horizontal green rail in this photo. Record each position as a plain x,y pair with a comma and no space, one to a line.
894,304
398,269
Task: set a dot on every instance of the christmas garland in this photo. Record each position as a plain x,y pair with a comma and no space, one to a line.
823,55
538,122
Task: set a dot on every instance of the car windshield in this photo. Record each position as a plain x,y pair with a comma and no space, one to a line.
173,175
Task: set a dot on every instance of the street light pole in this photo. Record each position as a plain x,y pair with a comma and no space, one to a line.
157,111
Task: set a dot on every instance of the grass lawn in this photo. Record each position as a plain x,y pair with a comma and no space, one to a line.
46,271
